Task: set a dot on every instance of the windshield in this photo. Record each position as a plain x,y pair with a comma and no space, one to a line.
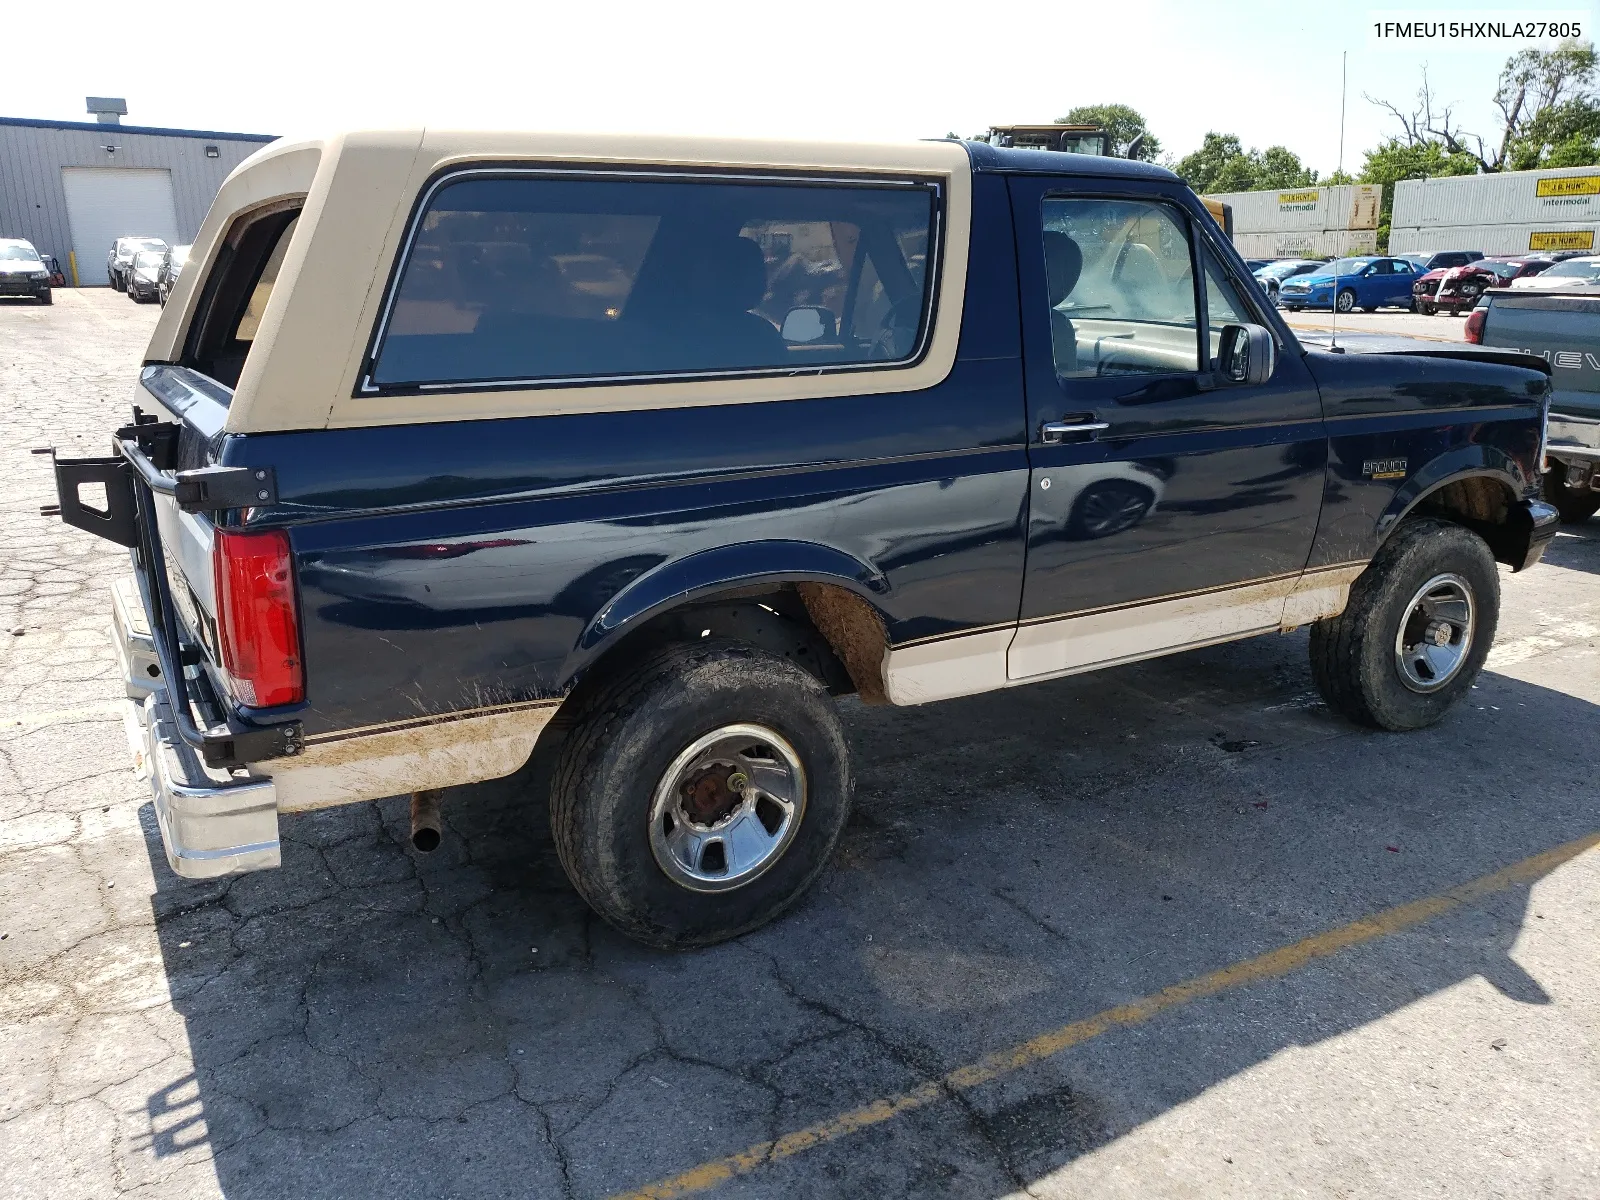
15,253
147,259
1587,269
1345,266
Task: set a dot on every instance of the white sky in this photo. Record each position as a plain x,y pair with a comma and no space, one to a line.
1267,70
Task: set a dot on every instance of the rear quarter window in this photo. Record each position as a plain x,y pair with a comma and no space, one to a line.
523,278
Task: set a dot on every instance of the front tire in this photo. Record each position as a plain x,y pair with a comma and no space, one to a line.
703,745
47,297
1574,504
1414,636
1346,301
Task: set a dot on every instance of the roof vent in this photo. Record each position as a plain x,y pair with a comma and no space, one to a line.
108,110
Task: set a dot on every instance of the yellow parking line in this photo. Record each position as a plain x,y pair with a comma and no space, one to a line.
1271,965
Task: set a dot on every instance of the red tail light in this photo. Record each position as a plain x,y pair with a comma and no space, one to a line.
1473,331
258,626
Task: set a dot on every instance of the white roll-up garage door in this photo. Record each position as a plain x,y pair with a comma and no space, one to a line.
105,203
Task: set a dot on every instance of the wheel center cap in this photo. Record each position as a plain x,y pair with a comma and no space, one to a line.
713,794
1439,633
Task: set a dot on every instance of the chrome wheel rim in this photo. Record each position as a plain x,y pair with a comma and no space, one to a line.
727,808
1346,302
1435,634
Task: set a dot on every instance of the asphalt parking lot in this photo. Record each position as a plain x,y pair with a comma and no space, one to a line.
1169,930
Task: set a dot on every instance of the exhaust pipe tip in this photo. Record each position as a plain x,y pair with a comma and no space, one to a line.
426,824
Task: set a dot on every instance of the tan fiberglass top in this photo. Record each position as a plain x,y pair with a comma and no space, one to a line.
359,189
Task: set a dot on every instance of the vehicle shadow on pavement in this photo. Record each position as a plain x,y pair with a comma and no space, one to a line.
1574,547
371,1022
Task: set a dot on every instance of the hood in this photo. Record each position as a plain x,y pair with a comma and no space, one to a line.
17,266
1384,343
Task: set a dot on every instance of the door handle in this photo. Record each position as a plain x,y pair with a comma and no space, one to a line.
1052,432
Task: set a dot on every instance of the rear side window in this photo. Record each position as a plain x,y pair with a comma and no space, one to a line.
234,298
525,279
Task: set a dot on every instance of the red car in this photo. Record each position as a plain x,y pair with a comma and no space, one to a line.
1456,289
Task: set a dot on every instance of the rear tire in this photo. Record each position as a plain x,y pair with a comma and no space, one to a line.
1294,308
1413,638
631,758
1574,504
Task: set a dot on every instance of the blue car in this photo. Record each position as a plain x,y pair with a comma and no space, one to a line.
1350,283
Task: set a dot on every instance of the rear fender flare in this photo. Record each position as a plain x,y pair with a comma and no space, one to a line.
706,574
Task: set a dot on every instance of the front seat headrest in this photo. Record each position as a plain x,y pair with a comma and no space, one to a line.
1063,263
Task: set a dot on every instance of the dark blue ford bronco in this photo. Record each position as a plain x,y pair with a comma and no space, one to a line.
449,440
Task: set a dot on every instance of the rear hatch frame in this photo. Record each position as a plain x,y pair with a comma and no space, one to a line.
142,468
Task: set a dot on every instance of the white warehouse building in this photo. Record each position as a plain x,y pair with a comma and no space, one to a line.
1513,212
73,187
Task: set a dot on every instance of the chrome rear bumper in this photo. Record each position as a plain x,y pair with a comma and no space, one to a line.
213,821
130,634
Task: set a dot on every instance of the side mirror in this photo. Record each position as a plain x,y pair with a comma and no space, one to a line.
809,323
1246,354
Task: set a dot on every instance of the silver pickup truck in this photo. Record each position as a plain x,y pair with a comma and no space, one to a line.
1563,329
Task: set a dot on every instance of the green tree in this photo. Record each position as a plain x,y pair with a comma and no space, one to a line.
1280,167
1121,122
1397,159
1549,113
1222,164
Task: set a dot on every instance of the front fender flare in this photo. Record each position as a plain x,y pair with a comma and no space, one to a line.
704,574
1464,462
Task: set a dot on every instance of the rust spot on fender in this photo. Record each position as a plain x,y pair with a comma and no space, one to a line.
855,631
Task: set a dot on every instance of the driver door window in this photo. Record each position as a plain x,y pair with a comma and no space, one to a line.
1121,288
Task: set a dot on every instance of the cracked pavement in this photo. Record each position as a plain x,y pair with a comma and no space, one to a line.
368,1022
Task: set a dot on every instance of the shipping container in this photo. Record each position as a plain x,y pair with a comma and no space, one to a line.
1509,213
1325,243
1305,210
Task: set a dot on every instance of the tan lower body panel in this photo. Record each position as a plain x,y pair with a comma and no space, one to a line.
996,658
347,768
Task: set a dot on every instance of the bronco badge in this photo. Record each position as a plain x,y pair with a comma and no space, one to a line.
1384,468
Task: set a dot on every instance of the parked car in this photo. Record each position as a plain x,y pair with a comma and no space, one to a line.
120,261
1351,283
1255,264
1433,260
143,282
1271,276
809,420
1565,330
171,266
1564,276
58,278
22,271
1453,289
